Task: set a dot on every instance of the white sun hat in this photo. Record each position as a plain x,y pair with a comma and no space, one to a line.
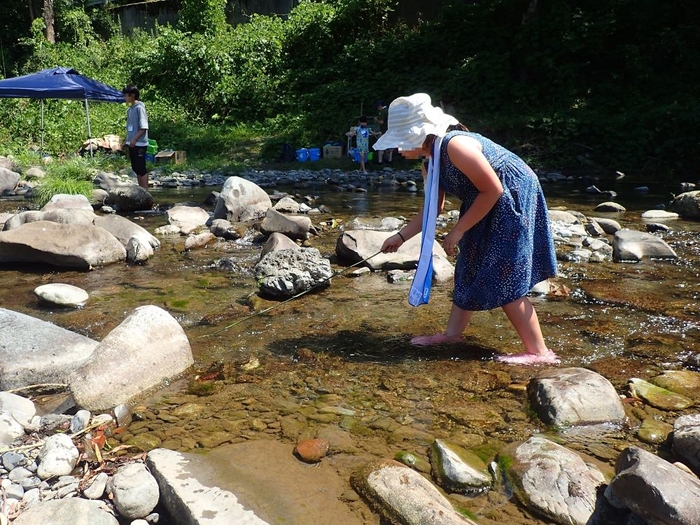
411,120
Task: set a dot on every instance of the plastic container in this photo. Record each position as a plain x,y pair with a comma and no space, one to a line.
150,157
152,147
314,154
355,154
302,155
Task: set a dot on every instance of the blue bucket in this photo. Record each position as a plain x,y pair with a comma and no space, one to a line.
150,157
314,154
355,153
302,155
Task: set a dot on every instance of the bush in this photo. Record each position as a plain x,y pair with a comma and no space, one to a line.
72,177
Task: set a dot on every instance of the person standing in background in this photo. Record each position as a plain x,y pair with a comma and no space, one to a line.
383,120
136,134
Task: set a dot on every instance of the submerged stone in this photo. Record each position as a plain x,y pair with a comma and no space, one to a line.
653,431
682,382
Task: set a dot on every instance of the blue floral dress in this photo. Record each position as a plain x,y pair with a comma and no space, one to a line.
511,249
362,139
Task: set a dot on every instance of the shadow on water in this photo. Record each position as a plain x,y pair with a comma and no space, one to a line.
365,345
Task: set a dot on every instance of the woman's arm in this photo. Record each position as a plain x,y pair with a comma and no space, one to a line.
414,227
465,153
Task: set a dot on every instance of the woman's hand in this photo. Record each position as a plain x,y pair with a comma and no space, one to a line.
452,240
392,244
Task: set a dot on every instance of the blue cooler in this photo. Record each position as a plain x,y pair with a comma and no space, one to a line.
302,155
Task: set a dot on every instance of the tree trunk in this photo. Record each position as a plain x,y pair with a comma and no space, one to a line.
31,11
48,21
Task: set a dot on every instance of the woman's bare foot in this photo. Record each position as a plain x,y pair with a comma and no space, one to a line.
437,339
550,358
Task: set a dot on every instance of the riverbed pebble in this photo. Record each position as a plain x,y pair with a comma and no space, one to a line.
135,491
312,450
58,456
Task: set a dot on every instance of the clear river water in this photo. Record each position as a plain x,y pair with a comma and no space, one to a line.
338,363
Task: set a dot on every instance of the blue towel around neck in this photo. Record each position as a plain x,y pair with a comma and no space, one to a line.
423,281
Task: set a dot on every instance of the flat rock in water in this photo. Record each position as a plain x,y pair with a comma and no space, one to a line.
572,396
659,215
34,352
146,349
684,382
686,440
629,245
458,470
287,205
687,204
553,480
610,207
200,240
356,245
659,397
293,227
124,230
403,497
68,511
654,489
62,294
187,218
225,229
241,200
66,245
286,273
62,201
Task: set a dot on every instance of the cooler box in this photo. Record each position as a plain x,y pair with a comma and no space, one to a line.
302,155
171,157
332,152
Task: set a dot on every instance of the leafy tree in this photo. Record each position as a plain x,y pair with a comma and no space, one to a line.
203,16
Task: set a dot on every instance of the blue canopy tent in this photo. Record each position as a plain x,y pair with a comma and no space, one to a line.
63,83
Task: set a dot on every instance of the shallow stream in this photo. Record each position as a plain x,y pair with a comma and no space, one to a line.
338,363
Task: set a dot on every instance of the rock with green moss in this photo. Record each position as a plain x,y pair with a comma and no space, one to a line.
658,397
412,460
653,431
458,470
404,497
684,382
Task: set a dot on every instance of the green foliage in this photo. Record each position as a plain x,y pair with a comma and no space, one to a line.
203,16
612,84
73,177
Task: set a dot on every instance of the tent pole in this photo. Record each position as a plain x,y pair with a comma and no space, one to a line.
87,114
41,151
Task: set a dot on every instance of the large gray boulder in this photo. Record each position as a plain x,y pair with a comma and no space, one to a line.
686,440
655,489
67,245
35,352
609,226
135,491
146,349
24,217
629,245
687,205
124,230
187,218
554,481
286,273
241,200
403,497
293,227
573,396
63,201
191,500
357,245
60,216
130,198
8,179
68,511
